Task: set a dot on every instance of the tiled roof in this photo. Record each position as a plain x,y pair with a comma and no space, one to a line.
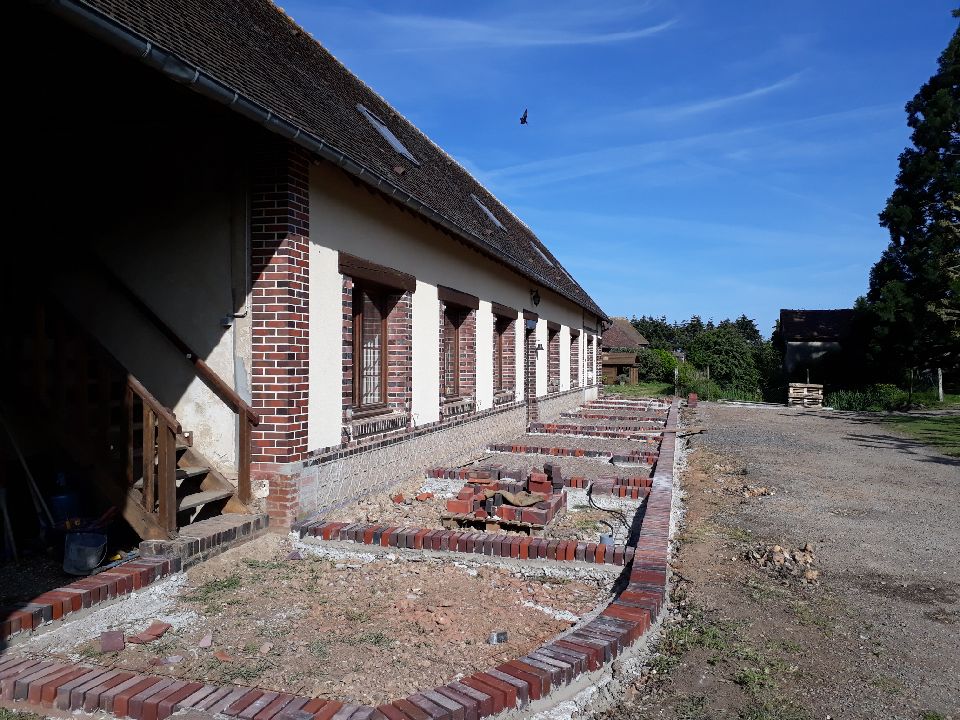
255,49
815,325
622,334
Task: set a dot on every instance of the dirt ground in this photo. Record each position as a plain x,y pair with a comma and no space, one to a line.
876,635
364,629
579,522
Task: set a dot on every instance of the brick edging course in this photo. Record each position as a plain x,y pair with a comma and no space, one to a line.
515,683
84,593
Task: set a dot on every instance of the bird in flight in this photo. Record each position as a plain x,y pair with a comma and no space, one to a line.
523,118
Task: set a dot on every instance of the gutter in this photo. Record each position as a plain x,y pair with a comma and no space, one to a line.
127,41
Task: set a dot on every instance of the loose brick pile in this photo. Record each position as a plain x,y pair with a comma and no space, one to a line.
473,502
510,685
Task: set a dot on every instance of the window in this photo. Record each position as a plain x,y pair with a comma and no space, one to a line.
381,127
369,348
487,211
453,318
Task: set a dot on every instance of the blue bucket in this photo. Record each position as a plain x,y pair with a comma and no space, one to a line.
82,552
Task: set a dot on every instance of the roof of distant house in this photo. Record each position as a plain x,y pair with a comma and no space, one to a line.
622,334
815,325
273,70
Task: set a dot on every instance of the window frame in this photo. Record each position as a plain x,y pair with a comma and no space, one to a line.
378,295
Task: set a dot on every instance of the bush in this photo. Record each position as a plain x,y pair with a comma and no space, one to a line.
874,398
655,365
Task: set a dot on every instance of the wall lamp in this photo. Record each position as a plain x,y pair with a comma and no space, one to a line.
535,297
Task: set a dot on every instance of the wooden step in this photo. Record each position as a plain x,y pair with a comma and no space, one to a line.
202,498
183,473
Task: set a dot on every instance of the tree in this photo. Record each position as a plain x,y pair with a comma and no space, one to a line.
913,304
728,356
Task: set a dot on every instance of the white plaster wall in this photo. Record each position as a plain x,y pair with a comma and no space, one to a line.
564,358
484,356
170,237
326,348
346,217
426,354
542,357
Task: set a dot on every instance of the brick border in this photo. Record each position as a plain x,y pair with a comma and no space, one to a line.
513,684
84,593
639,458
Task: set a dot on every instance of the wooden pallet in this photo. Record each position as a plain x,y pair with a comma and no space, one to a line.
804,395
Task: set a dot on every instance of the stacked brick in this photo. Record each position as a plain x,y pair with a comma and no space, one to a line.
636,487
522,547
473,502
631,456
617,432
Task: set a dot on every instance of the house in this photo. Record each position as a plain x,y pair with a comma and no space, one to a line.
620,343
242,275
810,336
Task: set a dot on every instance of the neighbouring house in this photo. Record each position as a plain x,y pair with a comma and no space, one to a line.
239,274
620,343
809,336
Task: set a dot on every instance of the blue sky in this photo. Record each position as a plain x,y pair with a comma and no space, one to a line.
682,156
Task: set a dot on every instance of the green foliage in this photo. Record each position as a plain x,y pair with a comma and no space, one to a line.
882,397
743,366
912,309
656,364
729,357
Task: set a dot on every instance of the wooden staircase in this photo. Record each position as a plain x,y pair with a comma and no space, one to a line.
64,385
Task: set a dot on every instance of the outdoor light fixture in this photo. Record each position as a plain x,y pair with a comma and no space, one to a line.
539,347
535,297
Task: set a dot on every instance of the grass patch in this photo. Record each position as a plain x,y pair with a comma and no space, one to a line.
942,432
209,593
6,714
644,389
692,707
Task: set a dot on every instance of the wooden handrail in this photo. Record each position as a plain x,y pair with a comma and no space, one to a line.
162,413
206,373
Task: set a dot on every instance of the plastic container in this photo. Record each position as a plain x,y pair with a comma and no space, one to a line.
83,552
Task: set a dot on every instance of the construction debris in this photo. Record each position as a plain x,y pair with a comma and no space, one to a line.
154,632
786,562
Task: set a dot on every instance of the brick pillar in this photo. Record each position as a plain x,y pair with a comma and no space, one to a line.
279,236
530,387
575,361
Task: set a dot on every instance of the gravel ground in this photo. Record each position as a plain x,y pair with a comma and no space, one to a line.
877,635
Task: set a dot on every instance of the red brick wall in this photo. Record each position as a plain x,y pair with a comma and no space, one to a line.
530,380
280,345
591,364
279,234
574,362
553,361
506,327
400,353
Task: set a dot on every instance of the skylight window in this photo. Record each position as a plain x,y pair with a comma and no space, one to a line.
386,134
487,212
543,254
